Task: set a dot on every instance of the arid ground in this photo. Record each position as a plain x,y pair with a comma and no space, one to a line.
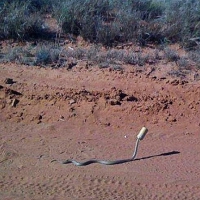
92,113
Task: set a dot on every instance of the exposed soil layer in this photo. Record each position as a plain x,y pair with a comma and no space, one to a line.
91,113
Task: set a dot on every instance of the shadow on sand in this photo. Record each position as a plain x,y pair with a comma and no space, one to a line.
115,162
158,155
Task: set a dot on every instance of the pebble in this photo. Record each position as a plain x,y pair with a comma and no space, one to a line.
72,101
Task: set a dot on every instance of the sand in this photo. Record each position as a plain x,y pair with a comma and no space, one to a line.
94,113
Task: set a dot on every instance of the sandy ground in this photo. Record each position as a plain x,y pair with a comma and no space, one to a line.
80,114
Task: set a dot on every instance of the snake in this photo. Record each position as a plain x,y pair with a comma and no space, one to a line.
140,136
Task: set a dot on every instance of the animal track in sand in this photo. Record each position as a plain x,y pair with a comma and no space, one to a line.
80,186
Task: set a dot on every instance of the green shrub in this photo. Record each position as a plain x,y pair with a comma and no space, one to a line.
171,55
17,22
33,5
182,20
101,21
109,22
46,55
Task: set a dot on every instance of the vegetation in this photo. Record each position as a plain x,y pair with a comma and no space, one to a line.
18,21
106,21
109,22
101,22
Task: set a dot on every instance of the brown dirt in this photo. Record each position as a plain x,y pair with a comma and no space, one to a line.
82,113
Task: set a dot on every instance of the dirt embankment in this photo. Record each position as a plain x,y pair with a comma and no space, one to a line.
81,94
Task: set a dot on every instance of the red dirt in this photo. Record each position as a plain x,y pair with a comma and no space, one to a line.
82,113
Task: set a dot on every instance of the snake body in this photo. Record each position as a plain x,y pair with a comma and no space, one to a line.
103,162
140,136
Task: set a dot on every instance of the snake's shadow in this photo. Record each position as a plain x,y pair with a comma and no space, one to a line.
148,157
117,162
158,155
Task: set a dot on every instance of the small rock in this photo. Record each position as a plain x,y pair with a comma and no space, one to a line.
20,166
175,82
183,82
107,124
114,102
72,115
71,65
154,121
130,98
191,106
89,64
154,77
9,81
70,48
12,92
171,119
72,101
62,118
150,70
39,117
151,62
14,102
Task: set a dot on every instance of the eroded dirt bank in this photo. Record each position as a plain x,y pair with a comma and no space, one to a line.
85,113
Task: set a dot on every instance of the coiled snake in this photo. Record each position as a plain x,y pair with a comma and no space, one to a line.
140,136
